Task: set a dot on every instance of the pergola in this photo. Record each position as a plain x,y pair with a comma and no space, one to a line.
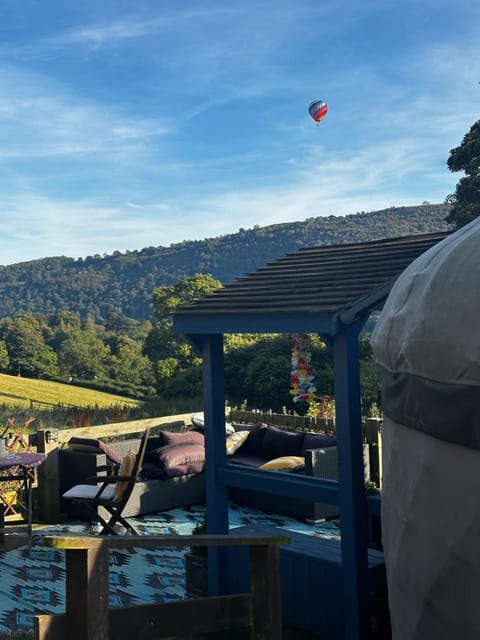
329,290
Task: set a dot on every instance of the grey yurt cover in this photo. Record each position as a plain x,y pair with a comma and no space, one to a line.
427,348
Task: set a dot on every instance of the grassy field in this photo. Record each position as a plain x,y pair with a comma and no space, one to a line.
65,406
26,392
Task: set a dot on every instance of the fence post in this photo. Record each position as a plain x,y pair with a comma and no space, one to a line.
266,592
86,591
48,490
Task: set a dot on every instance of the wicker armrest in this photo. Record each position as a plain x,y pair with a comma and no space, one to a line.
322,463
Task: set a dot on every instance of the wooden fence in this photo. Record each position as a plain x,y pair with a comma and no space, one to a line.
287,420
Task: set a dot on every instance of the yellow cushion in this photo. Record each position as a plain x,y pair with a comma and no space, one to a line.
126,468
289,463
235,440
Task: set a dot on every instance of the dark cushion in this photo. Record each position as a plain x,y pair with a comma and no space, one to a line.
253,444
277,443
178,459
90,445
247,460
183,437
152,472
154,442
318,441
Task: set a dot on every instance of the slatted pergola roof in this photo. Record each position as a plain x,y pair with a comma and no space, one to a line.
319,288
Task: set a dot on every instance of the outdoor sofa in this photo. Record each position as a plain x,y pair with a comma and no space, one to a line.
173,470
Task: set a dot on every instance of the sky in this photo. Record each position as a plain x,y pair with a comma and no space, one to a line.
126,125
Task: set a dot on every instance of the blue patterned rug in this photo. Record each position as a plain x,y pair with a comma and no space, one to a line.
33,577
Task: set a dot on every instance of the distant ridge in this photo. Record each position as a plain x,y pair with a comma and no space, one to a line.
123,282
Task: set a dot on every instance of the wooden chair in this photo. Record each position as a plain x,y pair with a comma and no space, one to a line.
113,493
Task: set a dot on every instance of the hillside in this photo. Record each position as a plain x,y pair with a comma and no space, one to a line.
123,282
45,394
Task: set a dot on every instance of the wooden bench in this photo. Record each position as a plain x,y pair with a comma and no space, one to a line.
88,615
311,581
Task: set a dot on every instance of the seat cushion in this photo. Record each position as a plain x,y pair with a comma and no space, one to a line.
88,492
183,437
285,463
247,460
91,445
253,444
318,441
235,441
177,459
277,443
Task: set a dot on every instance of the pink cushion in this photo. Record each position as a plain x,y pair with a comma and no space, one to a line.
182,437
178,459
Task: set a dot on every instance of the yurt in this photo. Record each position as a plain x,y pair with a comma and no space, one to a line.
427,348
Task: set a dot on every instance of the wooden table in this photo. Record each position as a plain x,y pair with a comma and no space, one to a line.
19,467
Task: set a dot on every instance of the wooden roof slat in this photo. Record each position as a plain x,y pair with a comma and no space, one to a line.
332,279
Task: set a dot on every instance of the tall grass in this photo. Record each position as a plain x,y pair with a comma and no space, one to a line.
61,417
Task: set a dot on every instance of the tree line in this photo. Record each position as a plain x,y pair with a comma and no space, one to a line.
148,360
98,286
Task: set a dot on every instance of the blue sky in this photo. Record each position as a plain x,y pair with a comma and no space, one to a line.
132,124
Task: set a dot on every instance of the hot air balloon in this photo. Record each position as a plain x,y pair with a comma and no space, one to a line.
318,110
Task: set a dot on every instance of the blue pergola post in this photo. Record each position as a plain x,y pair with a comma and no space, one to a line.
216,492
351,482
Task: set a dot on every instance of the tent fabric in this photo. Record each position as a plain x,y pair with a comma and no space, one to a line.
430,525
427,348
427,342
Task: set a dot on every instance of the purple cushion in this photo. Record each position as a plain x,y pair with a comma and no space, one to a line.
318,441
277,443
90,445
178,459
183,437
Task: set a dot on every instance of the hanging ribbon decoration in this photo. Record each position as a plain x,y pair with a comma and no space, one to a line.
301,373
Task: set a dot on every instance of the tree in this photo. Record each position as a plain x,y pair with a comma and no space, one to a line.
28,353
4,359
466,199
128,365
177,367
83,355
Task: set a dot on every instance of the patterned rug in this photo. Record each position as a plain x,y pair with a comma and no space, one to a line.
33,577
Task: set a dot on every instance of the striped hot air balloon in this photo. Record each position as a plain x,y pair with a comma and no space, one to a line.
318,110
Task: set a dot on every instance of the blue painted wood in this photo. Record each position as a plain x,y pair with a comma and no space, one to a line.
261,322
216,492
311,577
352,484
280,483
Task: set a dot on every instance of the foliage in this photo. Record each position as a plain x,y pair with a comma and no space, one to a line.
368,376
63,347
257,367
371,488
176,365
28,353
324,407
466,199
102,286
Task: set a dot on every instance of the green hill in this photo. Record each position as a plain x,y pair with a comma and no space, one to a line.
44,394
123,282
